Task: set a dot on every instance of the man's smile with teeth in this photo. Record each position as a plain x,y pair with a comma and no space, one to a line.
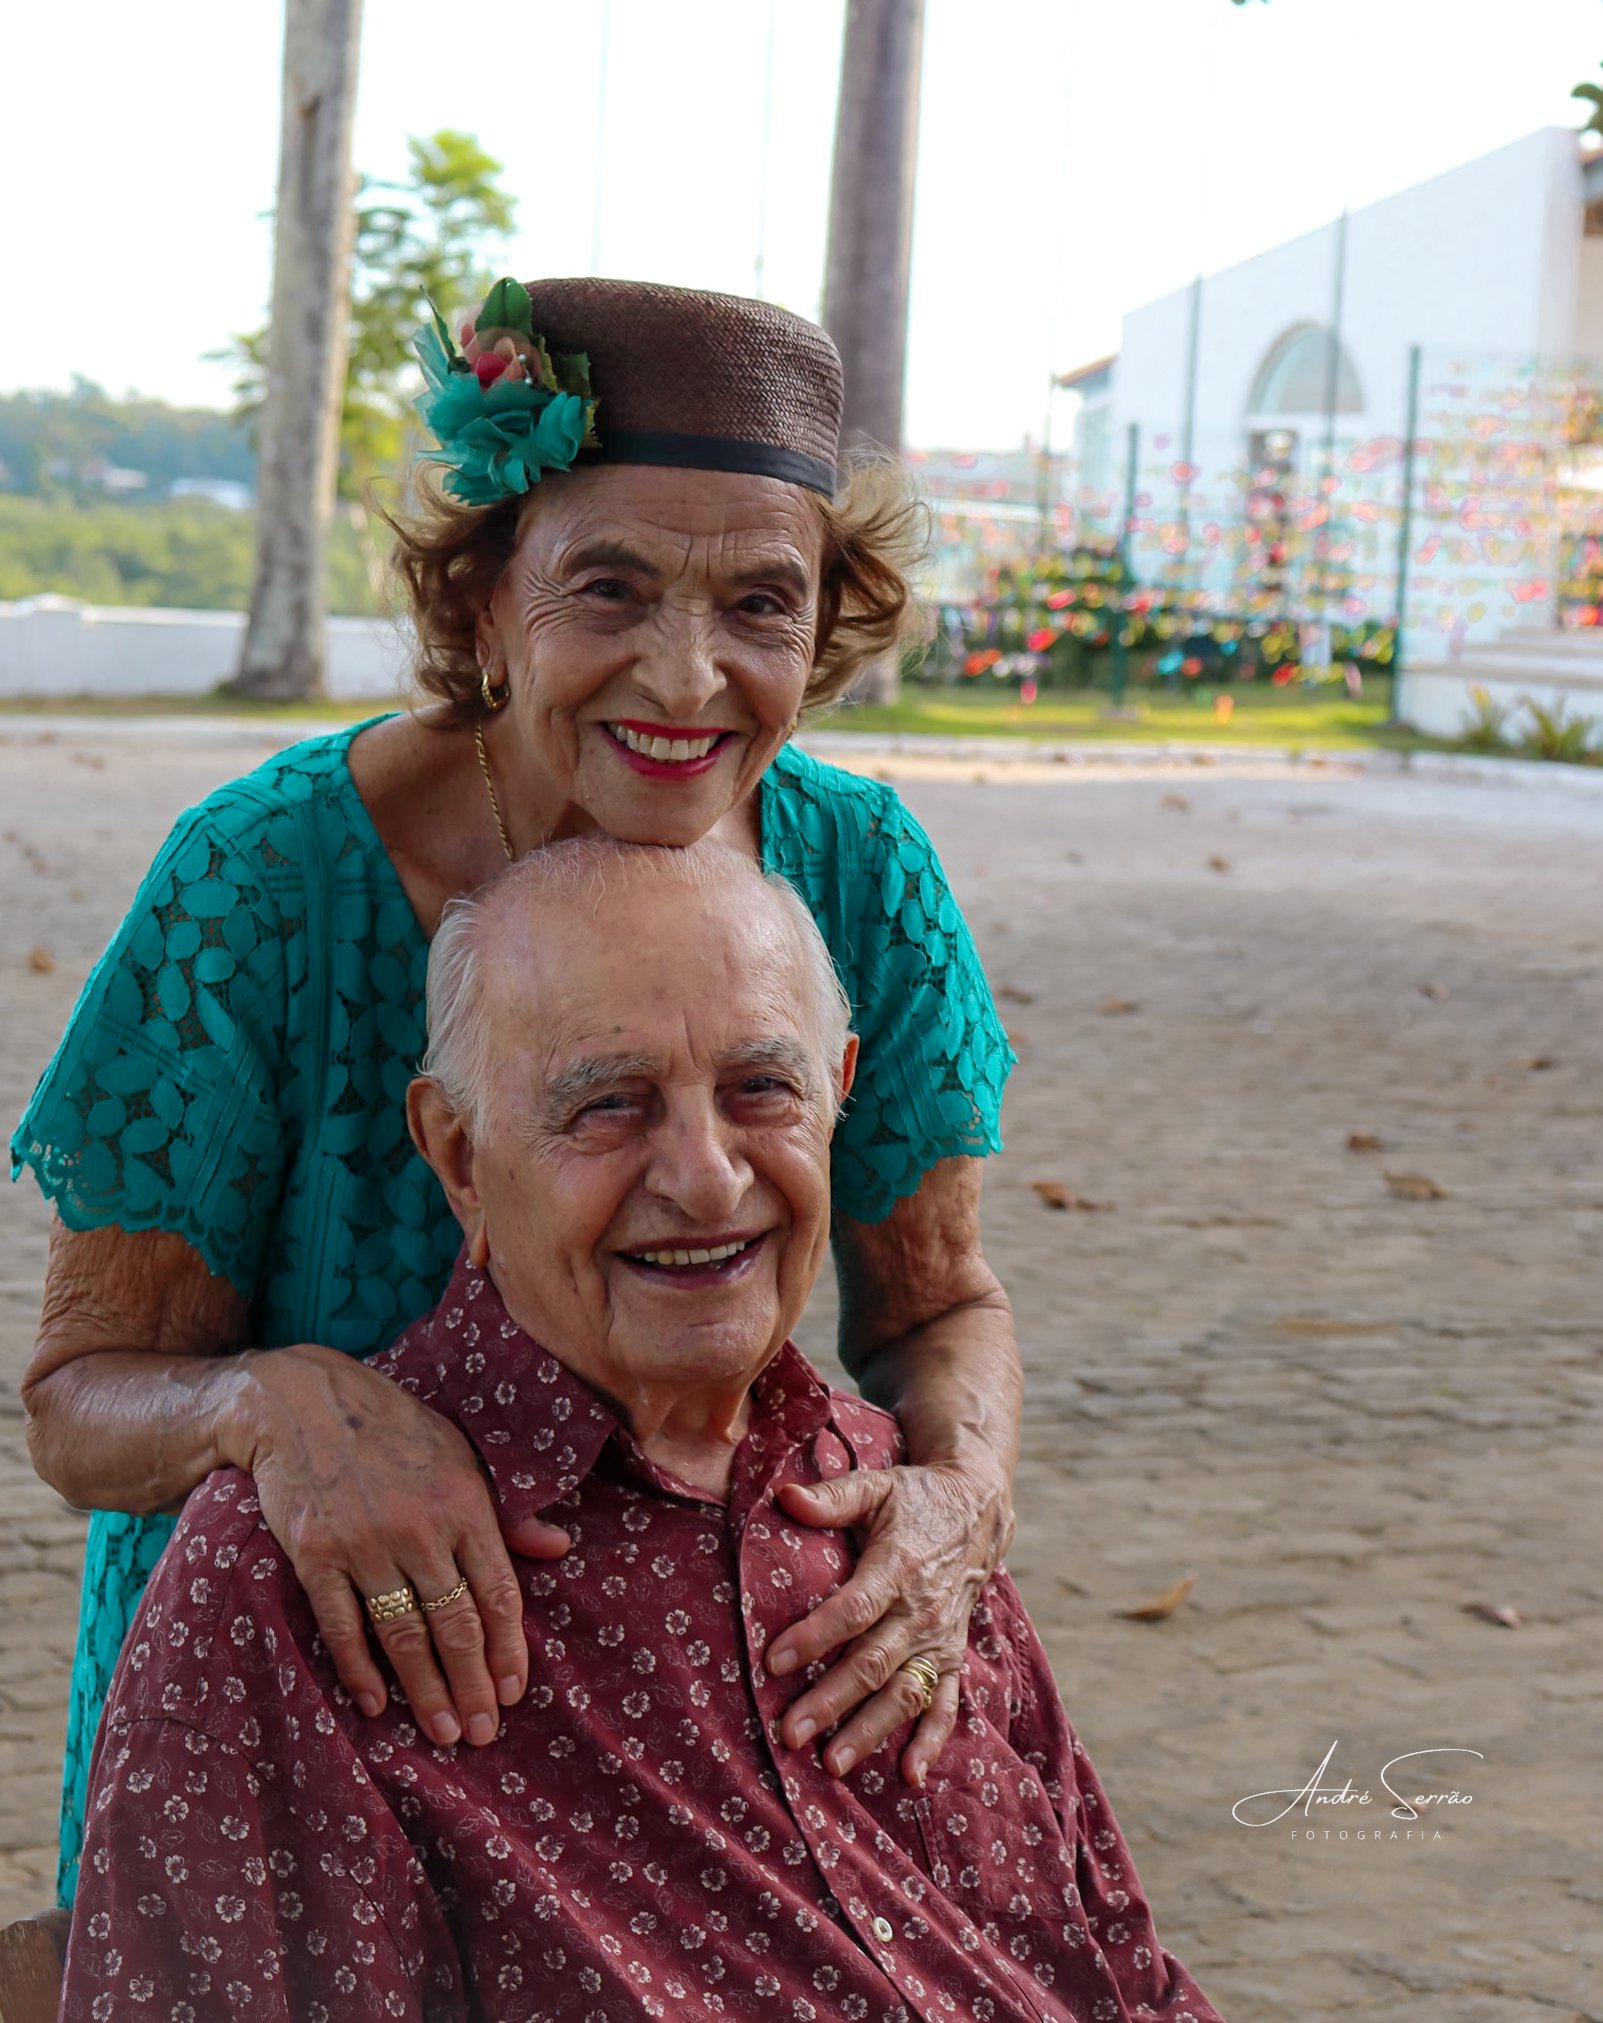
718,1254
657,747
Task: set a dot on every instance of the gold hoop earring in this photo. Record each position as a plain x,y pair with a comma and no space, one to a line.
489,694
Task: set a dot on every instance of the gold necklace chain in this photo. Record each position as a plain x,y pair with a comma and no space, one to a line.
489,788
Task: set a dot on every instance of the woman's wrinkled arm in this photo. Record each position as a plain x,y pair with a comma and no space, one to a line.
141,1385
928,1332
114,1427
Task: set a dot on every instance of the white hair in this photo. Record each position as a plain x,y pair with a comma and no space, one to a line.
459,1057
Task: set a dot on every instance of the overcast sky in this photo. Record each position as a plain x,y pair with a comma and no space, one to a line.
1077,157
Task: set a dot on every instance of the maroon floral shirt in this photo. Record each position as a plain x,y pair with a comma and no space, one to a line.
637,1841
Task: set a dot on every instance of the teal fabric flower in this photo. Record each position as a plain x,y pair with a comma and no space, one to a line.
500,424
496,440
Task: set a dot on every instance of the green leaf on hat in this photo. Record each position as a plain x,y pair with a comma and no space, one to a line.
454,360
548,378
573,373
507,307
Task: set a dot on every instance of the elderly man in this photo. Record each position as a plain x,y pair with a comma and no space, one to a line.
633,1128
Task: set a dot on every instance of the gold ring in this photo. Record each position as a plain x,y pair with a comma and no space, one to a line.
922,1671
456,1594
390,1608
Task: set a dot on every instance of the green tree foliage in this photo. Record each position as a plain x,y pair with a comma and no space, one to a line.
432,236
1592,95
185,554
58,445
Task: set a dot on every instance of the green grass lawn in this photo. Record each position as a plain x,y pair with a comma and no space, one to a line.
1261,716
1331,720
324,710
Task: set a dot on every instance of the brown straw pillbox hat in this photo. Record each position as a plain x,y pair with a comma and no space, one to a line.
700,381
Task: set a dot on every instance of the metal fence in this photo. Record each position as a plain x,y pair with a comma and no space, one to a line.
1316,542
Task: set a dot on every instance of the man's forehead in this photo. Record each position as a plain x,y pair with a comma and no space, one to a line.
670,1036
676,974
646,946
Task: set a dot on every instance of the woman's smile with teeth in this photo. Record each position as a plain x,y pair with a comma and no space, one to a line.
657,747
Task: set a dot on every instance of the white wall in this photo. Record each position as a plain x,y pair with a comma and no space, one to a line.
1440,700
52,646
1484,267
1589,301
1484,258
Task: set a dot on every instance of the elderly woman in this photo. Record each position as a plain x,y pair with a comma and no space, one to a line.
623,647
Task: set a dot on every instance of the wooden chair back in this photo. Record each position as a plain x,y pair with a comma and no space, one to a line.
32,1954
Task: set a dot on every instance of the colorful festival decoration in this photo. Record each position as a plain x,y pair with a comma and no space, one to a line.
1285,562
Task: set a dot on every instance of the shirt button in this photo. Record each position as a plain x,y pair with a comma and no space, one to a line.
883,1930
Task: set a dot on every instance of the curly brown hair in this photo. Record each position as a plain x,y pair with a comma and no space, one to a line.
448,558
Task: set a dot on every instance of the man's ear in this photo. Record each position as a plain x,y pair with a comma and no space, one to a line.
443,1141
846,1074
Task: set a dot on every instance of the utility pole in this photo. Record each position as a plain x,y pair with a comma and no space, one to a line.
871,232
285,649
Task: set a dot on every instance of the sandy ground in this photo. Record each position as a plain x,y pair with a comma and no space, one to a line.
1349,1414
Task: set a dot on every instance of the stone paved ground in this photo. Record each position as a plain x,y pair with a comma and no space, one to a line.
1349,1414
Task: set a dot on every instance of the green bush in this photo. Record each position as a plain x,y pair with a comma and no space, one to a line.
1557,734
185,553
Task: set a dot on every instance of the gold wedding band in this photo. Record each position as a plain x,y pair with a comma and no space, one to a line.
456,1594
923,1673
390,1608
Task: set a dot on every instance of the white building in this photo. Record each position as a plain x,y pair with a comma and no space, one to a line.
1281,386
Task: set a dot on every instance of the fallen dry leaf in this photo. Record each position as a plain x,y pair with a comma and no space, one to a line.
1433,990
41,961
1014,995
1165,1605
1178,802
1054,1194
1218,863
1490,1612
1119,1007
1414,1187
1364,1141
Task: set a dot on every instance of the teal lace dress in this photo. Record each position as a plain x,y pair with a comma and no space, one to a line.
236,1067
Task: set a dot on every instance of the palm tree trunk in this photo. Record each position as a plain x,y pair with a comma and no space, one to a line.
871,230
285,649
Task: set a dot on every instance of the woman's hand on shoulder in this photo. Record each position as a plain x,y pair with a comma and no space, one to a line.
931,1538
139,1387
928,1332
371,1493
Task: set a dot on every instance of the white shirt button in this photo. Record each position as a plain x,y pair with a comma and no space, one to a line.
883,1930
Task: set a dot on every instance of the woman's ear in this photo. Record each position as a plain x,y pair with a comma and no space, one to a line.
484,641
442,1139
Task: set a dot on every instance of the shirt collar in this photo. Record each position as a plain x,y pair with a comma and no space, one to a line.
537,1427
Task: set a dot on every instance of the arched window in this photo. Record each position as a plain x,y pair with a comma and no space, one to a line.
1291,380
